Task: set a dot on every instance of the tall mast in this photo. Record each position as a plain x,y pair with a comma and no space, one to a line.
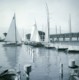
15,29
60,29
56,29
48,24
70,30
23,35
42,33
35,24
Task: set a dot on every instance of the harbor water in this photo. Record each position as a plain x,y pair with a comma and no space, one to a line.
45,63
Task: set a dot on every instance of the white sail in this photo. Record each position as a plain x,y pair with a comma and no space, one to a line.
13,35
35,35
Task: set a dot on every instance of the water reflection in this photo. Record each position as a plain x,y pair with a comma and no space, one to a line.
12,54
45,63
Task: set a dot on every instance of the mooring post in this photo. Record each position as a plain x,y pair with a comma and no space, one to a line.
61,71
27,69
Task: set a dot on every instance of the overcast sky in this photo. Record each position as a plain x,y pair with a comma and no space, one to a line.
27,11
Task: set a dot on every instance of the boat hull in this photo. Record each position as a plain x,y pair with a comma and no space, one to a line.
62,49
36,44
73,51
2,40
12,44
49,47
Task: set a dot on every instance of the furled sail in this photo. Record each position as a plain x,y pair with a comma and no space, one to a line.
47,38
13,35
46,35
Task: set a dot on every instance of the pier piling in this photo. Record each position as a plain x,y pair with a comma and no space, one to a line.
61,71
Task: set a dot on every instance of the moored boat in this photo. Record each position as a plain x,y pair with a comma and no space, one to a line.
47,43
13,38
62,47
73,49
35,40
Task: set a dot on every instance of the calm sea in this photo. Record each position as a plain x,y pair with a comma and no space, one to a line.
45,63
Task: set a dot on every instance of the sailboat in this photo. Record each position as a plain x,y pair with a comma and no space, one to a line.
47,43
35,37
13,38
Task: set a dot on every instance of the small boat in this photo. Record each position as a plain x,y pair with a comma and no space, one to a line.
62,47
9,74
35,40
13,38
73,49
